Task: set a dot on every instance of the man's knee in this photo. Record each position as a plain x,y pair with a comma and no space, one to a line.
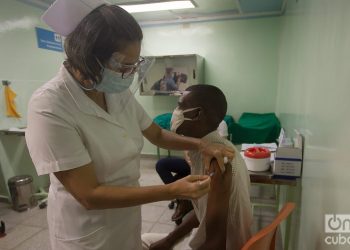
159,166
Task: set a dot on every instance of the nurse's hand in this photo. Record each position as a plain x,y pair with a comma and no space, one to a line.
190,187
217,151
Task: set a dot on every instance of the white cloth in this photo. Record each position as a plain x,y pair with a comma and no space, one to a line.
183,244
223,132
222,129
66,130
149,238
240,215
63,16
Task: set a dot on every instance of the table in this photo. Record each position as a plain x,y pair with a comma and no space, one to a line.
267,178
5,164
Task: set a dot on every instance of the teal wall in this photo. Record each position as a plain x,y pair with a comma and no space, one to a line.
240,58
27,67
313,97
297,65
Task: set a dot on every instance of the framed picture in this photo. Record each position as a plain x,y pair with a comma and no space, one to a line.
171,75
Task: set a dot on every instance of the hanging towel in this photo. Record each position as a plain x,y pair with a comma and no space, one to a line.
10,103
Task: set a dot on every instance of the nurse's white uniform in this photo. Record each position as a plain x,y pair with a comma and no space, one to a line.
66,130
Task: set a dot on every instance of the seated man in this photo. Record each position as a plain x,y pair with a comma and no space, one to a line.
221,219
171,169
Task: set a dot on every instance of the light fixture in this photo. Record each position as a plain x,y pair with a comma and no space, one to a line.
157,6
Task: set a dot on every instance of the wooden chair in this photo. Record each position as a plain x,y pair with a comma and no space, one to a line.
265,239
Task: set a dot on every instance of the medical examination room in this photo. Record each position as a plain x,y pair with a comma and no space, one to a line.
174,124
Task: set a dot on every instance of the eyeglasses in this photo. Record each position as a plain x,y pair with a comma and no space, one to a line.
126,69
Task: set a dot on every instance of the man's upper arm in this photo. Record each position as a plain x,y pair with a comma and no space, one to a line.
218,206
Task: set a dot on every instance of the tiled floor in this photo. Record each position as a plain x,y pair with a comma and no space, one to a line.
29,231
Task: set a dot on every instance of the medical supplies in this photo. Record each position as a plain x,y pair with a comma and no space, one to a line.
257,159
289,158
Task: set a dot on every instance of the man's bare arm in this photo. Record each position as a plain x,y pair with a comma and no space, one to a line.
217,207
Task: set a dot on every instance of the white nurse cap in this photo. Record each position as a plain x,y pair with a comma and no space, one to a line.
63,16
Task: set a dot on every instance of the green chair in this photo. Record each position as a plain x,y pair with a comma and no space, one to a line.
255,128
163,121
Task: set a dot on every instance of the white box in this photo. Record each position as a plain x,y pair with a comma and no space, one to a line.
288,161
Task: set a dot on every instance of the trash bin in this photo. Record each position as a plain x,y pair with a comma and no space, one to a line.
22,190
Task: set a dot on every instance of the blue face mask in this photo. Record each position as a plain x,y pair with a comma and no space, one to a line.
112,82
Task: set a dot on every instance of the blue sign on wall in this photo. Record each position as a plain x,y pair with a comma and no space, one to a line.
49,40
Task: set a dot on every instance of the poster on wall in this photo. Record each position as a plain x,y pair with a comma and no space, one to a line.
48,40
170,75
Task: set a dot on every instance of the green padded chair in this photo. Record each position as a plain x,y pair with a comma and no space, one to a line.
163,121
255,128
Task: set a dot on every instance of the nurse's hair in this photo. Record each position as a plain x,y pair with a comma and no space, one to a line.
107,29
211,99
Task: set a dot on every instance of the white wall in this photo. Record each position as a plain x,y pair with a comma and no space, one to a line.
21,61
313,96
27,67
240,58
308,66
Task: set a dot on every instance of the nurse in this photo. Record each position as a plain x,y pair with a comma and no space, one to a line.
86,129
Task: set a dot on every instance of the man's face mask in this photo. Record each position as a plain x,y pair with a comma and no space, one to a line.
178,118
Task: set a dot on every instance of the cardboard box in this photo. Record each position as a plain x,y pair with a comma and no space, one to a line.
288,161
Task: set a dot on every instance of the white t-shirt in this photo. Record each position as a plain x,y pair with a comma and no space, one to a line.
240,217
66,130
222,129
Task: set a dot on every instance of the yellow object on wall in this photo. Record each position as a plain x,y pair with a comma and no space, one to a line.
10,103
